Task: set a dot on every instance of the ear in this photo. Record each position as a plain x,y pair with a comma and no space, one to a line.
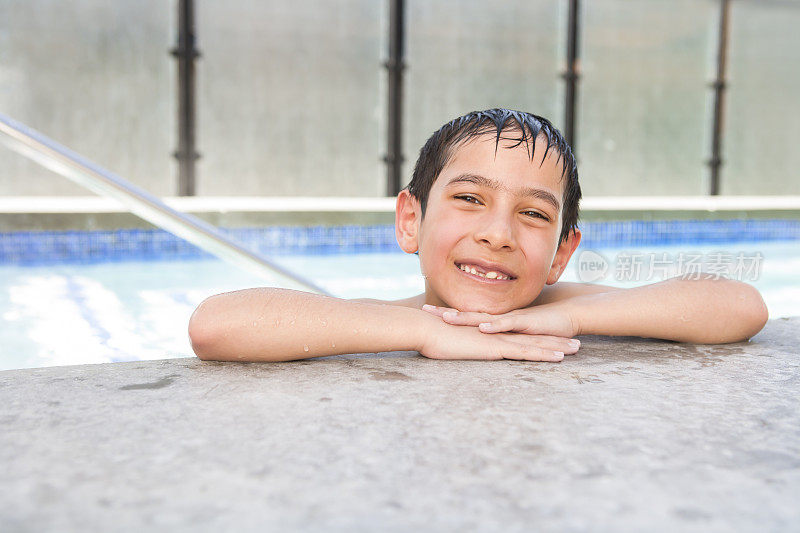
564,252
407,218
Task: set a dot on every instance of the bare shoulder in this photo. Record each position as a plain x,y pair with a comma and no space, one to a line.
564,290
414,302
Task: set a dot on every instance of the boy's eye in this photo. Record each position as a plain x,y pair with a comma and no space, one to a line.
472,200
535,214
467,198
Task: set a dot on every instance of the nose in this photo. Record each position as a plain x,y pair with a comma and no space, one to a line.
496,232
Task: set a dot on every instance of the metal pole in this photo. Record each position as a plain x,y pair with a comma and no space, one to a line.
719,86
572,73
186,53
394,67
64,161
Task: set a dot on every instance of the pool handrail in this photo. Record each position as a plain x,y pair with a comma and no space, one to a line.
60,159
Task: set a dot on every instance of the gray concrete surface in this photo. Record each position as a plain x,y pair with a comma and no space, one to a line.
627,435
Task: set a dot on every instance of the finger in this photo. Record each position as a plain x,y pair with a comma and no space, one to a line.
504,323
436,310
532,353
478,356
459,318
549,342
575,345
558,344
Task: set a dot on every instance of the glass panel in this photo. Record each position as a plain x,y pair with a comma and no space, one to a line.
97,77
644,110
477,56
762,113
288,98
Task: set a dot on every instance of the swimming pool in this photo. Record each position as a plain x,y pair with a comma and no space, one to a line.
94,311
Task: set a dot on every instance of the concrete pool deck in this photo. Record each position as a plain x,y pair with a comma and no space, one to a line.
627,435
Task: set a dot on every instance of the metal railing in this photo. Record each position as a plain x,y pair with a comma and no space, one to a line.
395,64
71,165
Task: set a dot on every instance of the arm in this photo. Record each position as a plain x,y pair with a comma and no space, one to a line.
704,311
268,324
564,290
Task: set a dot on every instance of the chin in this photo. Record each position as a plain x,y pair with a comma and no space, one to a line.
493,308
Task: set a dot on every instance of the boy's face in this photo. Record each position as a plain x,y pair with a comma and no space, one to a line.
498,213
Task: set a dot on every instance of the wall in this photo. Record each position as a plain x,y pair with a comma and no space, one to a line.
292,97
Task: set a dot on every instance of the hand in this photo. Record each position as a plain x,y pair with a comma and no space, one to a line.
543,320
446,341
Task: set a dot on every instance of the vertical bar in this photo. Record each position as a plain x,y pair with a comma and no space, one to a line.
186,53
572,73
719,86
394,67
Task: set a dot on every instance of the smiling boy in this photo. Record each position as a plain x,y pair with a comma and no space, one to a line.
492,211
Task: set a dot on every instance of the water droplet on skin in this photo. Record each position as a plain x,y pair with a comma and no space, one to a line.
255,324
324,323
291,322
333,345
305,348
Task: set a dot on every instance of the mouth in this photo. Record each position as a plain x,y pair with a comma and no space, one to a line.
484,271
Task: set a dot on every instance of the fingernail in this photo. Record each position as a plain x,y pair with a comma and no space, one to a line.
575,343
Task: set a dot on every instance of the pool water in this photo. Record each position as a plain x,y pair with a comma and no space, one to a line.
123,311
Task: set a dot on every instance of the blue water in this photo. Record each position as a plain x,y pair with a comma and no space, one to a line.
123,311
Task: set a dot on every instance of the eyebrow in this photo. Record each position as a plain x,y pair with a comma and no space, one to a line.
522,192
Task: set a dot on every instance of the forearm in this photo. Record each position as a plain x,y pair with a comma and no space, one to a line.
282,325
705,311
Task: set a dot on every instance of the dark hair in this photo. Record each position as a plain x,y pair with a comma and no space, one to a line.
440,148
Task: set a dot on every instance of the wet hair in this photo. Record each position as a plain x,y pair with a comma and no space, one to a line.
441,146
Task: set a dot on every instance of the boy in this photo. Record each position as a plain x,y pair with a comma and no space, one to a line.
492,212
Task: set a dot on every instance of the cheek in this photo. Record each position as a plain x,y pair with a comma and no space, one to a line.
539,254
435,250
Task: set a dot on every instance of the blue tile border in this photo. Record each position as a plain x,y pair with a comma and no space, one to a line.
48,247
669,232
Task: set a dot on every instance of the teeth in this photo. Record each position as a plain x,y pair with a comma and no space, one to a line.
490,275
